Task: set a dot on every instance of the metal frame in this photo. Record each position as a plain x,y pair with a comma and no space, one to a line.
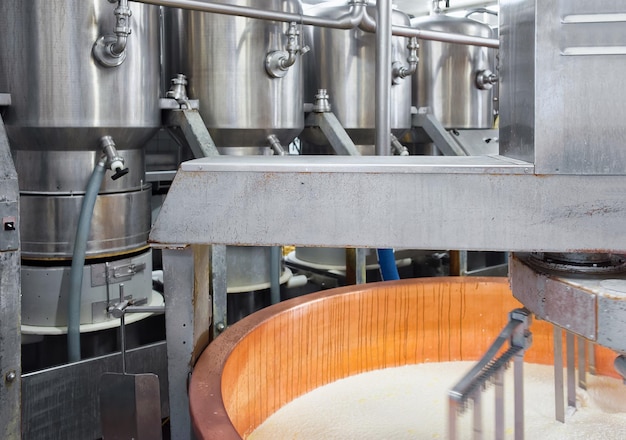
62,402
488,203
10,293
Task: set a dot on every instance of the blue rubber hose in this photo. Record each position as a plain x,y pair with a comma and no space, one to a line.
78,262
387,263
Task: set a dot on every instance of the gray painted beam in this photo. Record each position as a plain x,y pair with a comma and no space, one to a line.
474,203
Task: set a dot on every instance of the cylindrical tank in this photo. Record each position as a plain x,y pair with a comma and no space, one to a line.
63,102
344,63
225,63
446,80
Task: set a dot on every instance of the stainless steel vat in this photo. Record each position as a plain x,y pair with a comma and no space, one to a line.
344,62
446,80
63,102
224,60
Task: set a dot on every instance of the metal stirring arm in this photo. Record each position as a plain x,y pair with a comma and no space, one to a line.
489,370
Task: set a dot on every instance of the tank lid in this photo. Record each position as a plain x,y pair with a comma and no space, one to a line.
446,23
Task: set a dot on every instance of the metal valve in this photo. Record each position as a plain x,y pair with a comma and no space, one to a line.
485,79
114,161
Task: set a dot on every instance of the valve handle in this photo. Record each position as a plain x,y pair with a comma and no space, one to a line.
119,172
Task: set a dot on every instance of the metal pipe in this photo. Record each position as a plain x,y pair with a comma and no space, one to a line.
368,24
122,29
399,71
383,77
275,272
348,21
110,49
356,17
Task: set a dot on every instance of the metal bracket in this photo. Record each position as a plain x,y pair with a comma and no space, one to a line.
433,128
334,132
194,131
116,272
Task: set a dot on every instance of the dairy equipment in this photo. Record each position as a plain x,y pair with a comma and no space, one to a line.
55,134
554,177
344,64
84,95
230,64
498,202
453,89
453,81
251,103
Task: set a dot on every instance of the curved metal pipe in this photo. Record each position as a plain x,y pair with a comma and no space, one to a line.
122,28
110,49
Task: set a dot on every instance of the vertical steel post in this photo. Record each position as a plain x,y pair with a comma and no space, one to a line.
188,315
10,297
383,78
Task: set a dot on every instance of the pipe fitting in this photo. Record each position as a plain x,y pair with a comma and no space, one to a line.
278,62
485,79
321,104
397,147
110,50
275,145
178,91
399,71
114,161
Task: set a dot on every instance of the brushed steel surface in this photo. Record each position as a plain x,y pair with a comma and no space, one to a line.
45,292
224,60
474,208
344,63
61,97
446,74
62,402
187,321
563,112
247,266
120,223
67,172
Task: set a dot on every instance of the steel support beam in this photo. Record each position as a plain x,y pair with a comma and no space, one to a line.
194,131
486,203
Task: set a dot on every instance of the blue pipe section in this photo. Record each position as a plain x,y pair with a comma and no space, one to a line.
387,263
275,272
78,262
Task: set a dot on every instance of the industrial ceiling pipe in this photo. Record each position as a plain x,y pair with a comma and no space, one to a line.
357,17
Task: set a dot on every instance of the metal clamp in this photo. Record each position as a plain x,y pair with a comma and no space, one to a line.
119,309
